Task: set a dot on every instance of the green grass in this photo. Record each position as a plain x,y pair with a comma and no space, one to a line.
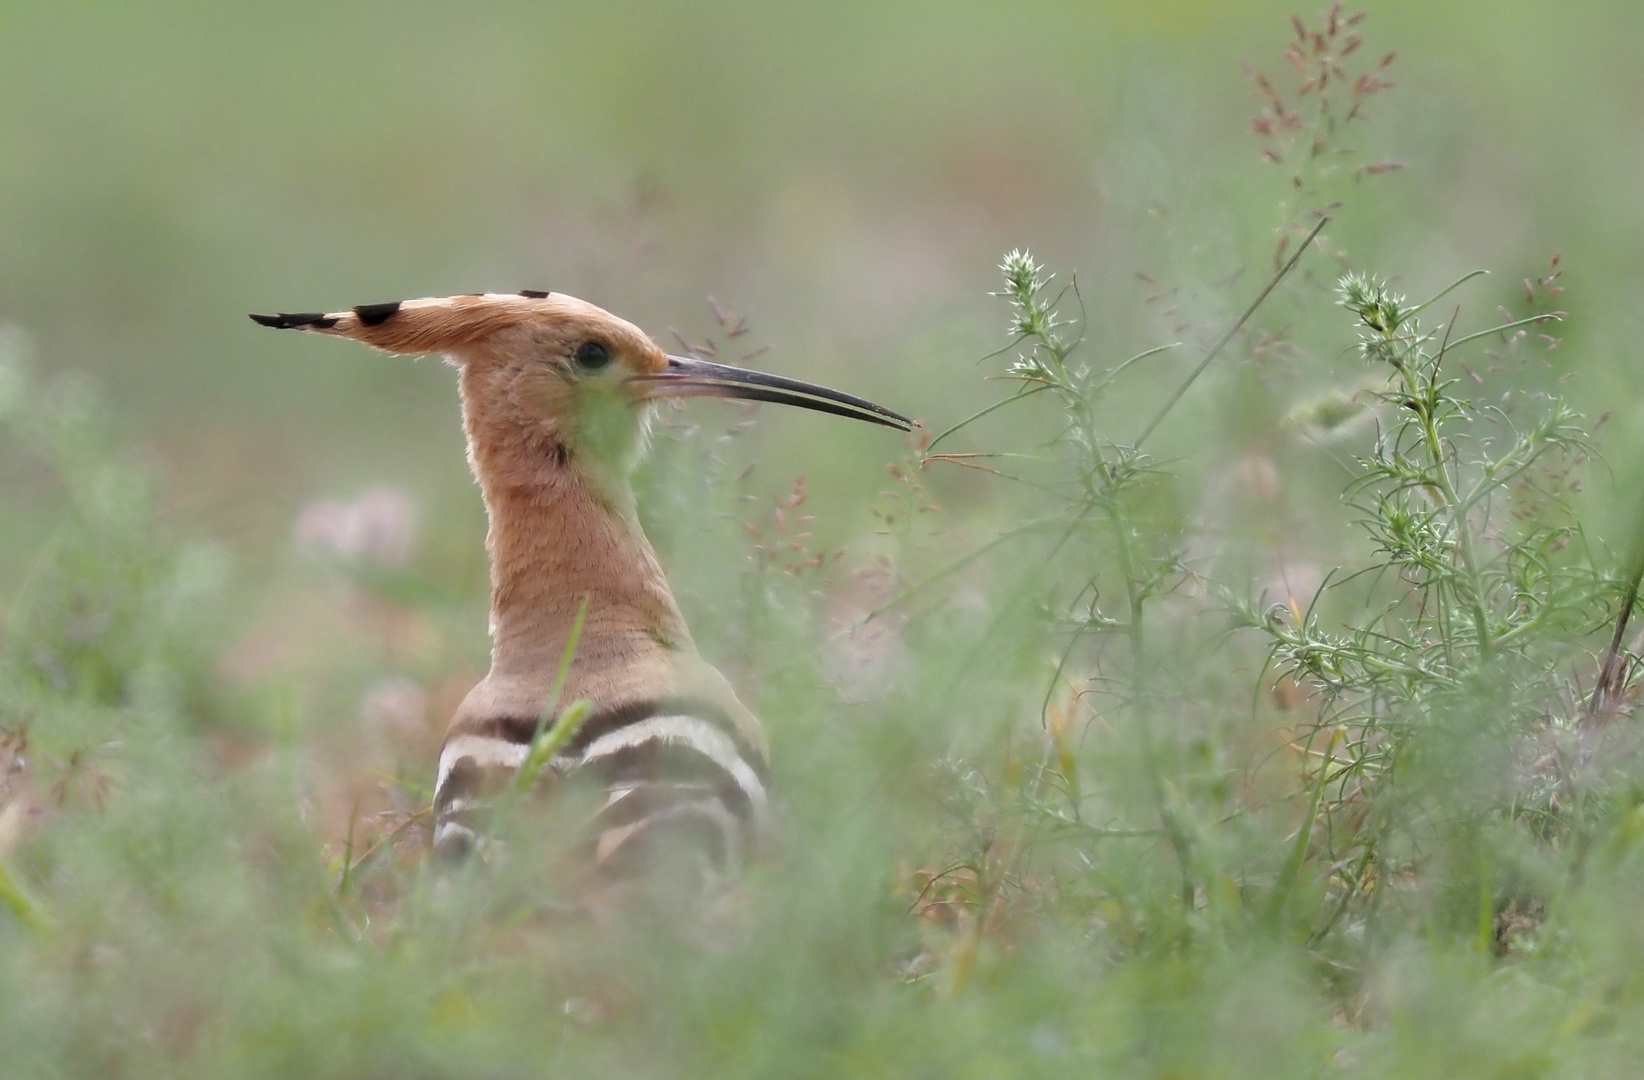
1210,690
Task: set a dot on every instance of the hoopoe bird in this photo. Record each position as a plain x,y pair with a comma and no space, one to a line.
557,399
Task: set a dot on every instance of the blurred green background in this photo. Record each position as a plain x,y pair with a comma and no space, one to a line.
848,174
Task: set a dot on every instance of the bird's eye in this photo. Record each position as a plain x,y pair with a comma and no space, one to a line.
592,355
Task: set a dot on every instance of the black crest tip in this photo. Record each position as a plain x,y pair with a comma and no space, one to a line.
300,320
376,314
534,294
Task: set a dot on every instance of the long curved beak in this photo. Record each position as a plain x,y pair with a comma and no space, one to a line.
690,377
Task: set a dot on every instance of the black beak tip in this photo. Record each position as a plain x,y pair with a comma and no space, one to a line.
751,385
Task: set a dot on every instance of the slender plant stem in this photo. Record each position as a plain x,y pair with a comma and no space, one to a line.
1421,399
1608,674
1231,331
975,416
13,897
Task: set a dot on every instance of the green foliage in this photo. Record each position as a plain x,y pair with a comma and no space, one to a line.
1477,597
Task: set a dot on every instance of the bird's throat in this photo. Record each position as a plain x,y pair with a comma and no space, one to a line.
557,540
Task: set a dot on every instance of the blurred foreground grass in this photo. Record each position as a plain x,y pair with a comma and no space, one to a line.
1256,744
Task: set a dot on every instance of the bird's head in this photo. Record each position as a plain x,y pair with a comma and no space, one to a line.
549,379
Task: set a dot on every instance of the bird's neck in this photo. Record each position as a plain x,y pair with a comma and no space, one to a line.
558,535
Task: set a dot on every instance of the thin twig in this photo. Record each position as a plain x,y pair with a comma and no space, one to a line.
1608,675
1227,337
393,834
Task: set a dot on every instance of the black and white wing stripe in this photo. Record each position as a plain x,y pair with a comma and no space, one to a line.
677,776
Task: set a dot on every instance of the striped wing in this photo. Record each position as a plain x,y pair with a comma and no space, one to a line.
679,783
